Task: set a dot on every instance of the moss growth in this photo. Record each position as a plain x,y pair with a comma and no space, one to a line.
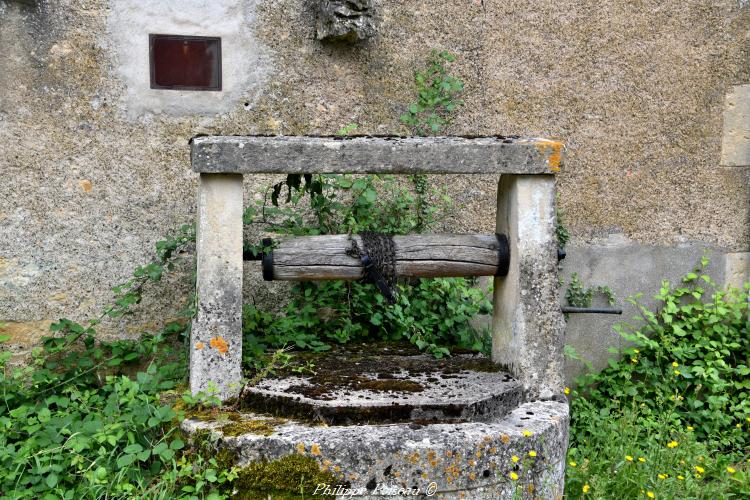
293,476
263,427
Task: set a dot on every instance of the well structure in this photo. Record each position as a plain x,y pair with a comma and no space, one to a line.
388,419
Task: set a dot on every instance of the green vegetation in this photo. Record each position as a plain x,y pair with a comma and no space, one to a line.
671,417
74,425
578,295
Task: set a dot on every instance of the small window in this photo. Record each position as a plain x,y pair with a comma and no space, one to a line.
185,62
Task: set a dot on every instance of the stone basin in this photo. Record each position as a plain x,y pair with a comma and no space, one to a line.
386,383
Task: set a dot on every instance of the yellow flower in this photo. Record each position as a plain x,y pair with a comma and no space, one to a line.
566,390
641,459
747,418
532,454
690,428
628,458
515,459
586,488
675,364
650,494
731,470
527,433
738,426
636,351
514,476
700,469
672,444
662,476
681,478
677,372
633,360
572,464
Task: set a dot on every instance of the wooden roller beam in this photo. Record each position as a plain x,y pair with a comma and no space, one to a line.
424,256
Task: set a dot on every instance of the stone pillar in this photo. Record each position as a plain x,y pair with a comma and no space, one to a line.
527,323
216,336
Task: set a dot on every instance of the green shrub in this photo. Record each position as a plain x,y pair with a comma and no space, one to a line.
677,402
691,356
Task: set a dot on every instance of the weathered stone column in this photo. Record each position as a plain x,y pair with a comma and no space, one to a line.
216,337
527,323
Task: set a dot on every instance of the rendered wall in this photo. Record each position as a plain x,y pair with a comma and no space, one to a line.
96,169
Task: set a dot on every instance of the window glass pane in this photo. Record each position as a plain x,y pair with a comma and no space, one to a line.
185,62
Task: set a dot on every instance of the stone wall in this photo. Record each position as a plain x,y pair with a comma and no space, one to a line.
96,165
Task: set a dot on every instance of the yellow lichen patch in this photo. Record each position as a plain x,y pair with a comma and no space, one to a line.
505,439
493,450
199,346
553,151
315,450
478,454
300,448
472,476
220,345
414,457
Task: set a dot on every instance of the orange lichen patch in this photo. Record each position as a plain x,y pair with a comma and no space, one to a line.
315,450
326,464
199,346
220,345
472,476
493,450
300,448
336,468
431,455
414,457
86,185
397,474
505,439
553,151
478,454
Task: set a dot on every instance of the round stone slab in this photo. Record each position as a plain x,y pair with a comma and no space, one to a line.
382,383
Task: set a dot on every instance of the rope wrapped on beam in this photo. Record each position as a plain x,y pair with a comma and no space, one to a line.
423,256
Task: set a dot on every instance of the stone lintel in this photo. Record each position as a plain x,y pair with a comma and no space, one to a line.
386,155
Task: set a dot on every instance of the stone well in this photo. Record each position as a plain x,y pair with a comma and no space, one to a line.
377,420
